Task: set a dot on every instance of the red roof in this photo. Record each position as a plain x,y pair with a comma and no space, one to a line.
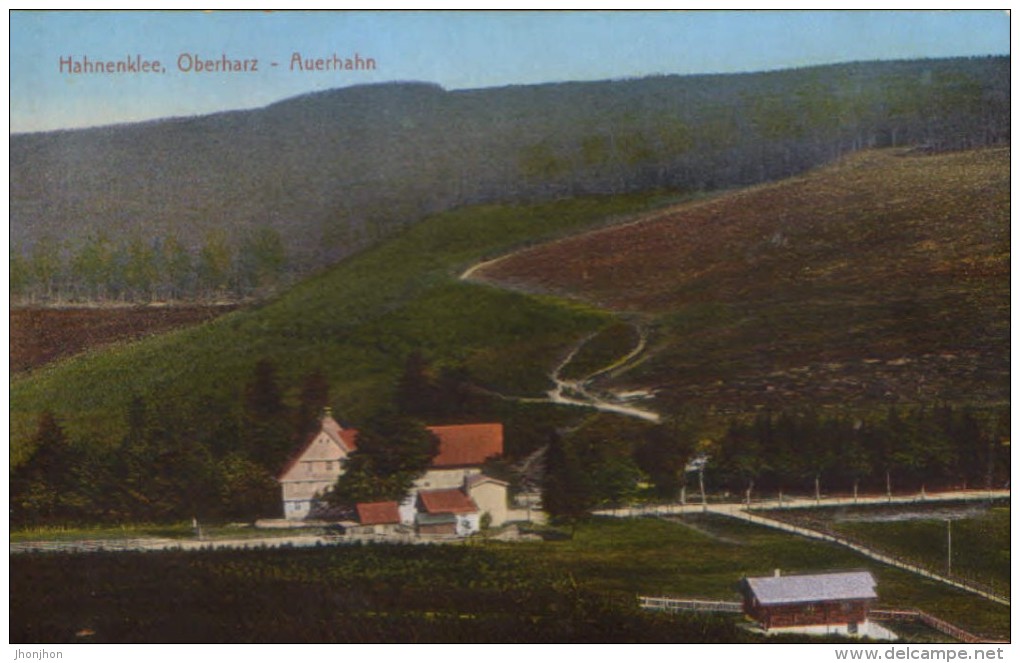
329,426
459,445
350,438
447,501
467,444
378,513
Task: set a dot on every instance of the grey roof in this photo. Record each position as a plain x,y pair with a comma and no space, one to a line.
772,590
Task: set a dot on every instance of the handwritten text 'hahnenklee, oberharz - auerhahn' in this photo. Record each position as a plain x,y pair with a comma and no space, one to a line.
196,63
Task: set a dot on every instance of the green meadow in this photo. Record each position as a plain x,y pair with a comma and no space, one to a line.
980,544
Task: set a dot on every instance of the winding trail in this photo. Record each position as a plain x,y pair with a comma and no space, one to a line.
576,392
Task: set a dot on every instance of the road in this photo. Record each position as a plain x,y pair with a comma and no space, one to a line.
308,540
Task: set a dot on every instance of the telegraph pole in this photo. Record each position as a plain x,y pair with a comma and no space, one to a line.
949,547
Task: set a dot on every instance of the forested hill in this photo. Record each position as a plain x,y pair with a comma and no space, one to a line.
235,202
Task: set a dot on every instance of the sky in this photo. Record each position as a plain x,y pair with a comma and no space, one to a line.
456,49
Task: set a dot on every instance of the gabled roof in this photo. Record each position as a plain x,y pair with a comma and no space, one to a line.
478,479
467,444
462,445
349,436
378,513
447,501
344,438
774,590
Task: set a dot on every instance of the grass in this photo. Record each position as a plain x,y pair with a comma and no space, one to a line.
226,595
172,531
355,322
182,531
981,545
660,558
609,345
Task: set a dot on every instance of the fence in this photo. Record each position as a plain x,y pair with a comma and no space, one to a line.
940,625
87,545
668,604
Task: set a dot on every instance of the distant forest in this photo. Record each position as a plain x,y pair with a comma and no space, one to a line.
235,204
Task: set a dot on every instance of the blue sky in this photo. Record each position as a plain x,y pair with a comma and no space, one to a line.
455,49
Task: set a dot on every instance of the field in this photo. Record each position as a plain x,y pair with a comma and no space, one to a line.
918,534
877,280
42,335
981,543
577,590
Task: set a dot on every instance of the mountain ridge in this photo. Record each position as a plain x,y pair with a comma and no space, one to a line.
332,172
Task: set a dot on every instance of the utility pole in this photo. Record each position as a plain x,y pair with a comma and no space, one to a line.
698,464
701,484
949,547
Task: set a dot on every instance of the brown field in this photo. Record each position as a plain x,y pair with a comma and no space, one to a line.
884,278
43,335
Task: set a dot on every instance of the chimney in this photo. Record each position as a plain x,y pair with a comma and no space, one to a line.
776,574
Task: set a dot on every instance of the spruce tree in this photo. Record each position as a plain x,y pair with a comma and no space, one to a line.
266,435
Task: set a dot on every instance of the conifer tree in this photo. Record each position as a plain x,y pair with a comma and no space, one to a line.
266,434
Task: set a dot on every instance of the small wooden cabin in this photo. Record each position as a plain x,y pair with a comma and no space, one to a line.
815,603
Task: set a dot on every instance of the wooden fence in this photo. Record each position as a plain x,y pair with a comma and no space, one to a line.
669,604
940,625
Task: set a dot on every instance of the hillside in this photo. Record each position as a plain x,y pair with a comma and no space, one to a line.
356,323
244,201
879,280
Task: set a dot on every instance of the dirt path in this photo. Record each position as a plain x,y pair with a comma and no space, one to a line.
577,392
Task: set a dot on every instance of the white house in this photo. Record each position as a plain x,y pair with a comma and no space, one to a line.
454,478
314,471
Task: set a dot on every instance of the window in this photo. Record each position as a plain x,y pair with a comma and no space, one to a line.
329,466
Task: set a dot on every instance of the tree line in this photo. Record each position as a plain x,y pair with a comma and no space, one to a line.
933,447
221,460
218,462
606,461
133,269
